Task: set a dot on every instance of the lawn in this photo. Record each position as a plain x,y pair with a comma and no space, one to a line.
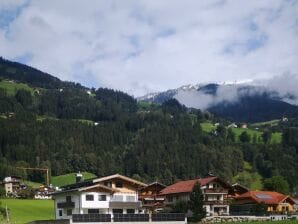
207,127
266,123
45,117
32,184
251,132
69,178
23,210
276,137
12,87
84,121
266,222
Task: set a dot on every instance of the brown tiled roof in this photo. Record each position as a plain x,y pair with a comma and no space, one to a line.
267,197
186,186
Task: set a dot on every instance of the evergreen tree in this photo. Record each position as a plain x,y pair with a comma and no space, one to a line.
244,137
266,136
196,200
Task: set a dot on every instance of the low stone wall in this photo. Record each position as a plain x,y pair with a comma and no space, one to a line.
234,219
214,219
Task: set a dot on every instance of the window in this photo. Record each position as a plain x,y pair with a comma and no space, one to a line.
69,212
93,211
60,212
118,198
130,211
170,199
108,184
218,198
68,198
119,211
102,197
119,184
130,198
89,197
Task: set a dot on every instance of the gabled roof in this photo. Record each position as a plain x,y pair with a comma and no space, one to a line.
128,179
85,188
187,185
98,186
157,184
236,185
267,197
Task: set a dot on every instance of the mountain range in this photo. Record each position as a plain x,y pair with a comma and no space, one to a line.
243,102
239,102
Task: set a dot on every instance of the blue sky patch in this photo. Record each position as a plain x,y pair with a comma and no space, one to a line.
9,15
25,58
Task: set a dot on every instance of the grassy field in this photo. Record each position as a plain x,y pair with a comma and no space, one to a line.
276,137
266,123
84,121
23,211
69,178
207,127
266,222
45,117
12,87
32,184
249,178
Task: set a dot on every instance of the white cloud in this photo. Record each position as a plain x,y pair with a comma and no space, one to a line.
283,87
148,46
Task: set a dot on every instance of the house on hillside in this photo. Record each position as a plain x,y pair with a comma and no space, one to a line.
115,194
214,189
12,185
243,126
150,197
44,192
233,125
273,202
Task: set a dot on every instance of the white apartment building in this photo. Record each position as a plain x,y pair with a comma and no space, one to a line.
106,195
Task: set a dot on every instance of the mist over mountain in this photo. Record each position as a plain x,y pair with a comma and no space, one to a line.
248,102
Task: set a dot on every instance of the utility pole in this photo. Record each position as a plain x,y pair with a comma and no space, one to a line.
41,169
7,214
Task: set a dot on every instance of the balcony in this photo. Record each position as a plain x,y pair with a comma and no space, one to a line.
215,191
67,204
216,202
125,204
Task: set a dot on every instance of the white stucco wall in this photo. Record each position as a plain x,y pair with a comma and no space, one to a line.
82,205
75,197
96,203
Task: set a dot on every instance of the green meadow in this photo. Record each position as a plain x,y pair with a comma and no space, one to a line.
23,210
69,178
12,87
254,133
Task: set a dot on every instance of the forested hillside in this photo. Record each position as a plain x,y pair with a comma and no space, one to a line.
69,128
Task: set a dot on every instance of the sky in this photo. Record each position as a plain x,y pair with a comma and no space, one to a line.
145,46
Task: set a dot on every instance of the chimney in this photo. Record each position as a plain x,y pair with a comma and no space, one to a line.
79,177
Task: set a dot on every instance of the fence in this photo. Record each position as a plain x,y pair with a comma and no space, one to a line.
91,218
173,218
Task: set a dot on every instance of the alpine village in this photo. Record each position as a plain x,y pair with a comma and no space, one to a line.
148,111
70,154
